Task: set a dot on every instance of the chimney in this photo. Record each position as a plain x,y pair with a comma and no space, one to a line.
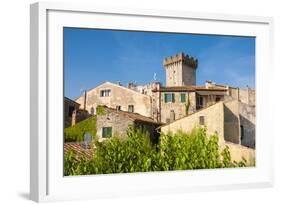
209,84
85,100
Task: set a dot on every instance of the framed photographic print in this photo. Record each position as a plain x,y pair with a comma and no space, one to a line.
127,102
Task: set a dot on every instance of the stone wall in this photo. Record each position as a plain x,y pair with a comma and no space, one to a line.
192,101
231,122
233,92
119,124
188,75
180,70
69,107
247,96
247,114
79,115
120,121
119,96
177,106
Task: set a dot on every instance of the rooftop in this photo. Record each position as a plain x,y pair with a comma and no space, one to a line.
133,116
71,101
79,151
191,88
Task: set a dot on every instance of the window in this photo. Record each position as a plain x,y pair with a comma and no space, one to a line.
118,107
107,132
92,110
201,120
241,132
130,108
182,97
169,97
70,111
105,93
172,115
199,102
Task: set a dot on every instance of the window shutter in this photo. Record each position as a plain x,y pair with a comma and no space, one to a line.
173,97
165,97
107,132
182,97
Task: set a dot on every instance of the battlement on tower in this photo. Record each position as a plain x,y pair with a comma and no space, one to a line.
181,57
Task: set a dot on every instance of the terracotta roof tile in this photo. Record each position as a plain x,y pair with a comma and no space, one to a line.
78,150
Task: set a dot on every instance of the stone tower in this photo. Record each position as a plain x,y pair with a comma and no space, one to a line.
180,70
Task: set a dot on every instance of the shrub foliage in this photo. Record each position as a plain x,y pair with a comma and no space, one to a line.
76,132
136,153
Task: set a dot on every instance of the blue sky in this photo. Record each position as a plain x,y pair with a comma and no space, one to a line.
92,57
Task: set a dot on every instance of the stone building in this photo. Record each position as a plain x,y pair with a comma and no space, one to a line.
225,118
70,107
117,97
114,122
181,96
174,102
180,99
180,70
72,113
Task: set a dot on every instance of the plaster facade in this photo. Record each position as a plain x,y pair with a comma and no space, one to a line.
232,120
113,95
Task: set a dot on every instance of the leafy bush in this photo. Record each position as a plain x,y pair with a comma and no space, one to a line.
76,132
183,151
136,153
122,155
72,166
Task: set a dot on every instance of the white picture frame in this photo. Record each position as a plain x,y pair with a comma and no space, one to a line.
46,141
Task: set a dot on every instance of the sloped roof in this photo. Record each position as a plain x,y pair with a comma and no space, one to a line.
78,150
70,100
115,85
133,116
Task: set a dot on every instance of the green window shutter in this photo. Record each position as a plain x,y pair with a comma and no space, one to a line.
110,132
182,97
165,97
106,132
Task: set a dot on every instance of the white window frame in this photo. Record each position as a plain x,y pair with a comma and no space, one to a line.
105,93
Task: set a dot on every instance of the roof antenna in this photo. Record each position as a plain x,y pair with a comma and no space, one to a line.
154,76
82,89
